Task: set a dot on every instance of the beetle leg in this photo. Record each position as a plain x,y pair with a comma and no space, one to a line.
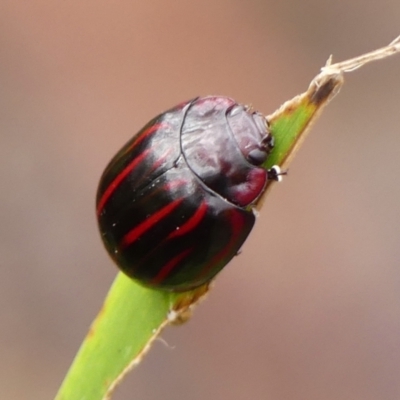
275,173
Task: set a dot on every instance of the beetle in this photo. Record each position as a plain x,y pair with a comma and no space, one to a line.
174,205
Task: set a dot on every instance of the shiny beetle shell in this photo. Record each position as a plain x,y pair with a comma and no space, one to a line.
174,204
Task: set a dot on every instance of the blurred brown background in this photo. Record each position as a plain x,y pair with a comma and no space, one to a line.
311,309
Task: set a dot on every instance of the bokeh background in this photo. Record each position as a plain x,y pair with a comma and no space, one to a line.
311,308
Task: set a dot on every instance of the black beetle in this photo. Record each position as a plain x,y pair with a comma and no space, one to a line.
175,204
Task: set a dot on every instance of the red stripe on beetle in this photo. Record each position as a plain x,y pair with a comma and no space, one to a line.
237,225
158,163
138,231
118,180
169,266
139,138
191,223
151,129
